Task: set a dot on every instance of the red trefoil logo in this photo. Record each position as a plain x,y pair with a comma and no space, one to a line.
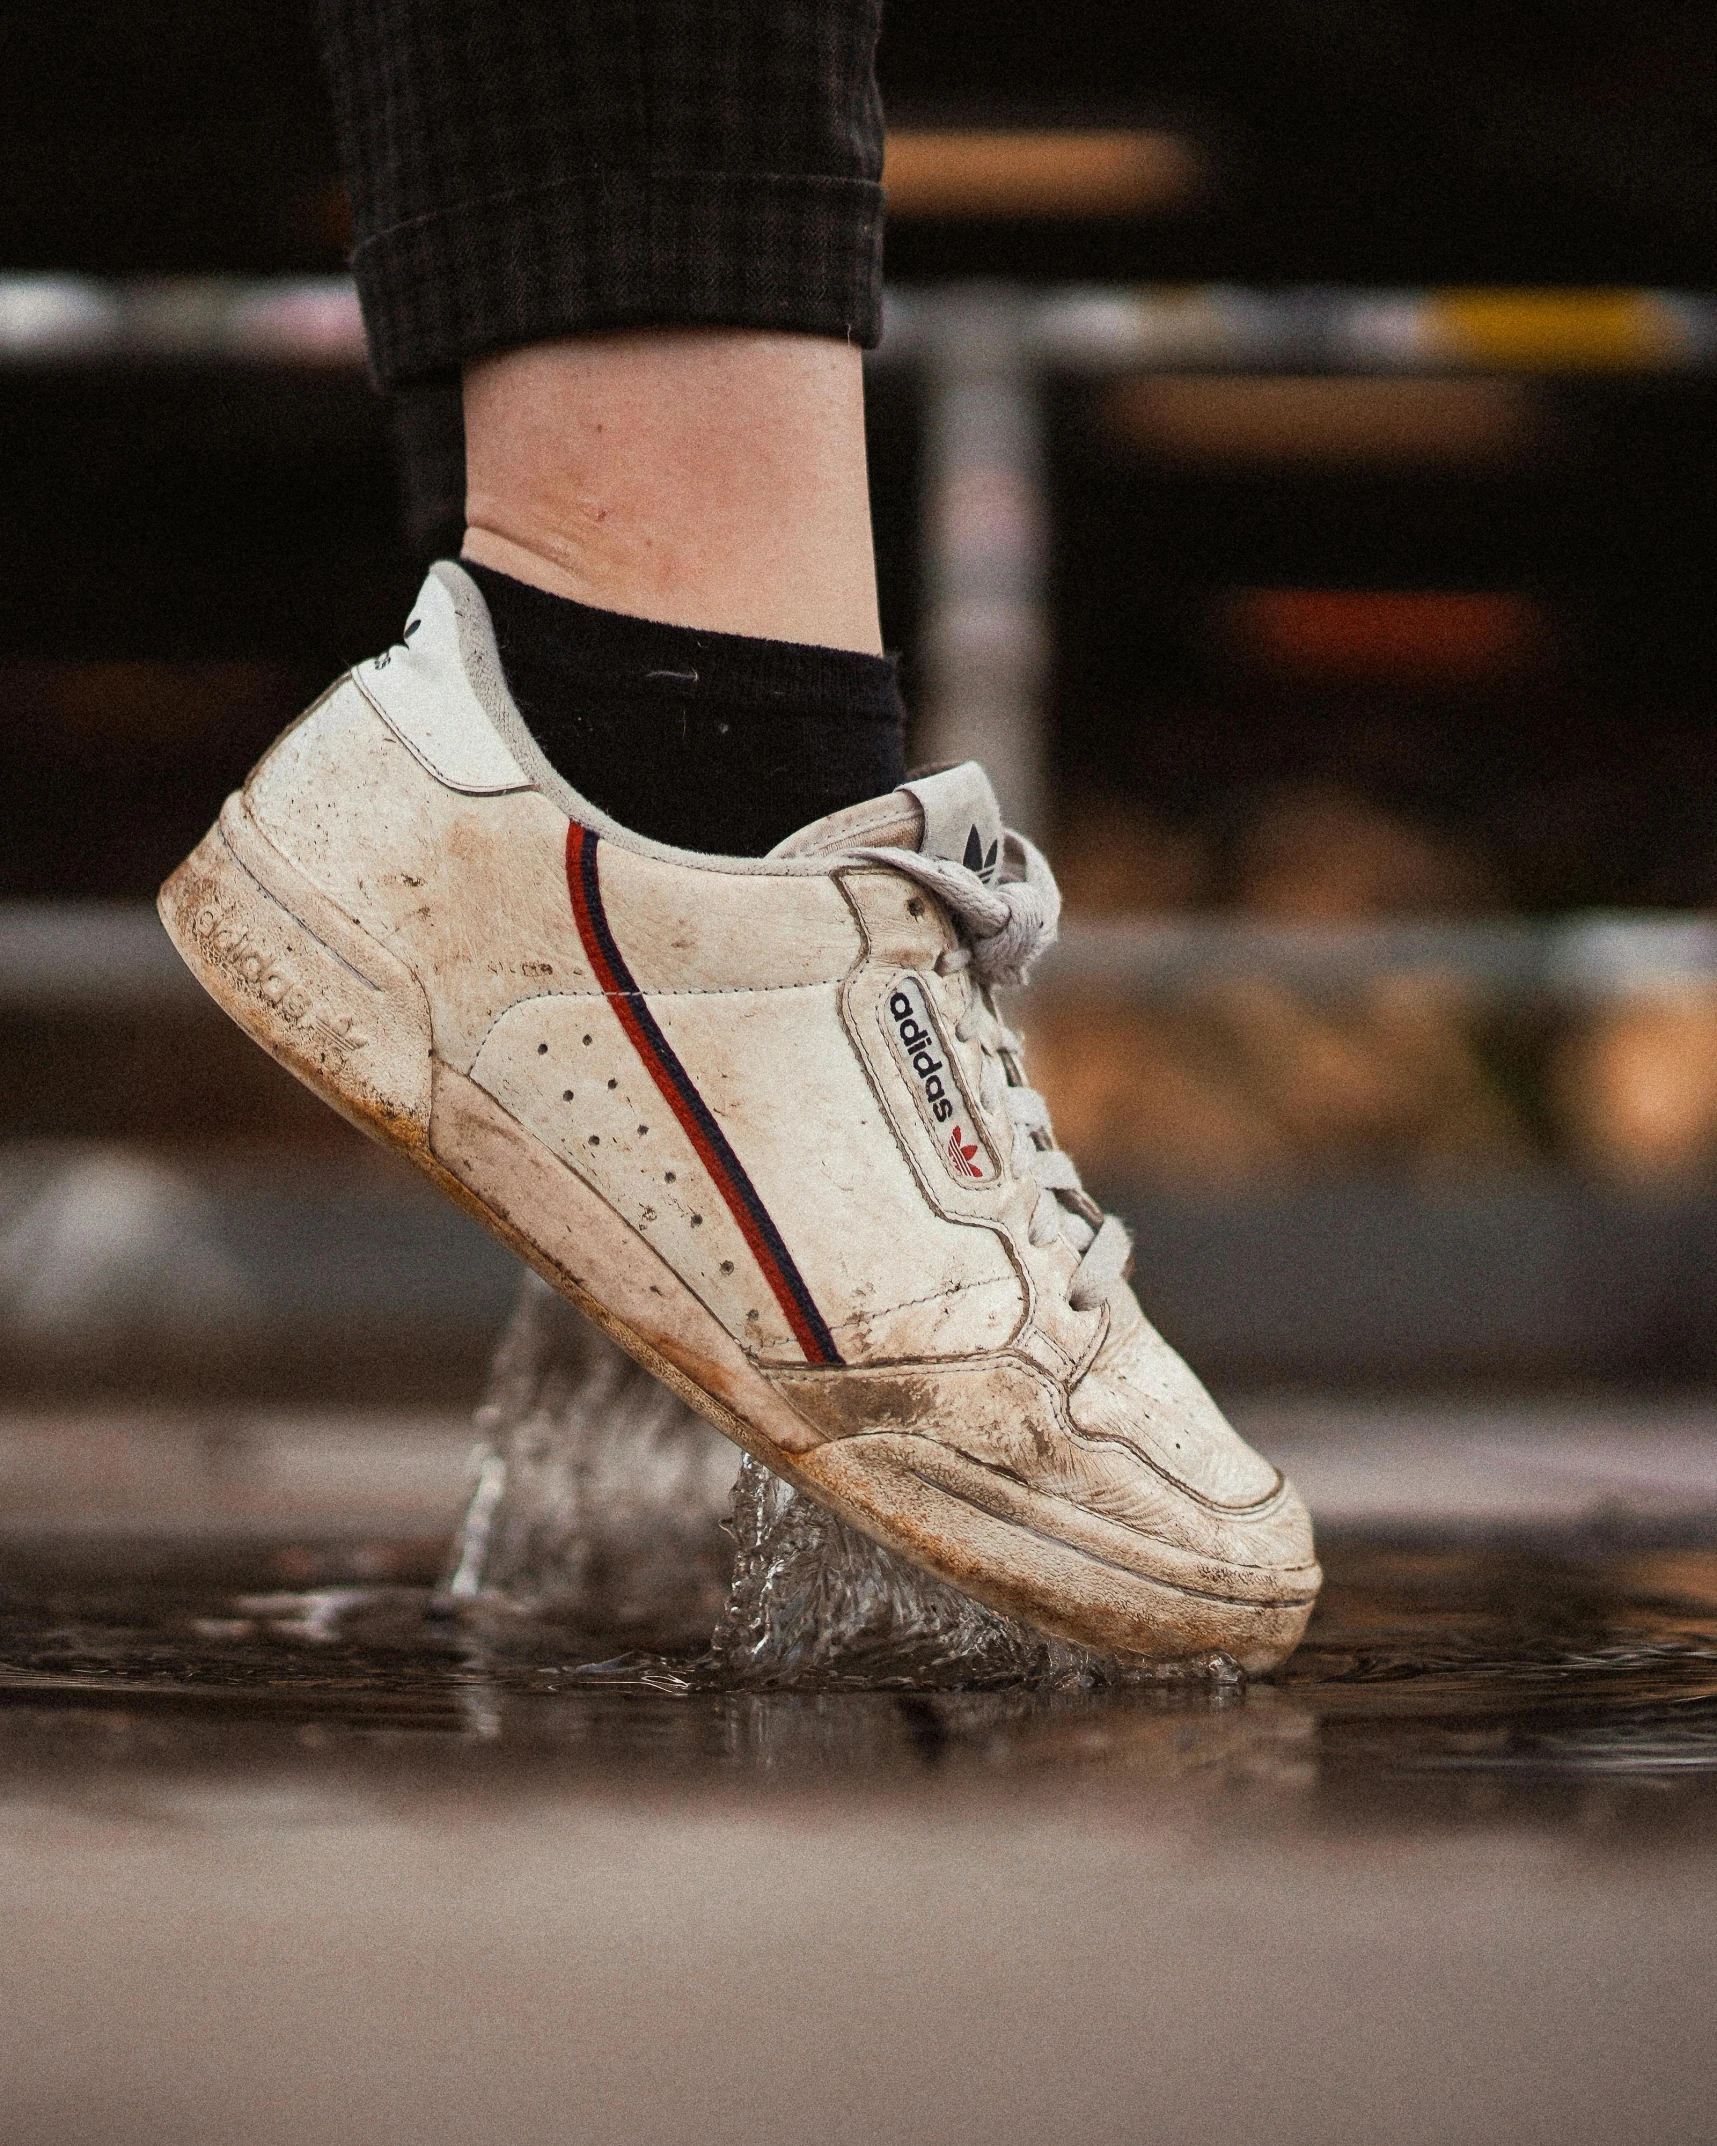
964,1158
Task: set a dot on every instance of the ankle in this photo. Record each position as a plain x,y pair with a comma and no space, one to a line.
702,478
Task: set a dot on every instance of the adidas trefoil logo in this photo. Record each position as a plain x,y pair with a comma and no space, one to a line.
964,1158
978,859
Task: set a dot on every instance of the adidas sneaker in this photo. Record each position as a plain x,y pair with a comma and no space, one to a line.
761,1120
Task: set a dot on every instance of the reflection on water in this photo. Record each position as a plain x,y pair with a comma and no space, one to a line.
572,1628
1577,1658
1529,1665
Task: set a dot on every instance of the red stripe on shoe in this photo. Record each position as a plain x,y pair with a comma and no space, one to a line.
679,1092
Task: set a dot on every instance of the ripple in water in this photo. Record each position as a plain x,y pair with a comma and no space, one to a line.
627,1594
604,1501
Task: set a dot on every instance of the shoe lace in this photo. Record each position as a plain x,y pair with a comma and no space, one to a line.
1004,928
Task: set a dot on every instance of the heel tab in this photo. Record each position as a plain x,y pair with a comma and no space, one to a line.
423,688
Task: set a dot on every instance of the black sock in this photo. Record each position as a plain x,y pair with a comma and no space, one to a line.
711,741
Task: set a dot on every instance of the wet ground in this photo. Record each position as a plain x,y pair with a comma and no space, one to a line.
1530,1666
289,1851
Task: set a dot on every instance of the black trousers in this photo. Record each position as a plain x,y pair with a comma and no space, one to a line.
528,168
521,169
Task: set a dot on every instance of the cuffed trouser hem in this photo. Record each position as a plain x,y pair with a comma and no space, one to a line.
623,249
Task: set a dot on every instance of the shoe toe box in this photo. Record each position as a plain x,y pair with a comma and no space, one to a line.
1139,1394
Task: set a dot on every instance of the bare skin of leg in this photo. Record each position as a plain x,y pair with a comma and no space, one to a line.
703,477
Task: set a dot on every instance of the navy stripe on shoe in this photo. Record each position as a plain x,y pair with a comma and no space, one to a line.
756,1224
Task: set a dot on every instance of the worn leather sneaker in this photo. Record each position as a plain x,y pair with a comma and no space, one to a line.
759,1118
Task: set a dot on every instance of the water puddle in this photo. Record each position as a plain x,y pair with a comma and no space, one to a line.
575,1619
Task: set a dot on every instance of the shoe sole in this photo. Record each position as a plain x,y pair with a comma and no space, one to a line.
347,1018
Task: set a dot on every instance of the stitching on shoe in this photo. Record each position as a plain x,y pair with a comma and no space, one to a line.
811,983
1106,1441
993,1281
1115,1441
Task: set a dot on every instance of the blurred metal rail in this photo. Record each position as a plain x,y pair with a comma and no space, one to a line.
1573,960
95,957
982,352
90,957
63,319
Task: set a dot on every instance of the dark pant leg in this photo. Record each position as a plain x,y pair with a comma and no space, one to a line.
522,169
529,168
427,419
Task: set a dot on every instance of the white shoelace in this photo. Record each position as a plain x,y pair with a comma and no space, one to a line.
1006,927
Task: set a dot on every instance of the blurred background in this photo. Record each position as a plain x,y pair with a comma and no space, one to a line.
1293,449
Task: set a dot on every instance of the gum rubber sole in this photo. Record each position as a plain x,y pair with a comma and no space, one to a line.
347,1018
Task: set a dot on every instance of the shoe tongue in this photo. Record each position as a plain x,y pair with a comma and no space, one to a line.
951,813
962,820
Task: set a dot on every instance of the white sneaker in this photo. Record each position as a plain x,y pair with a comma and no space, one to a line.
760,1120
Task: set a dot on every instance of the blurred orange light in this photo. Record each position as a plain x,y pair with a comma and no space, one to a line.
1416,637
1038,172
1557,331
1344,422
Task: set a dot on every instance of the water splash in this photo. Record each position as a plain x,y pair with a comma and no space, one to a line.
603,1501
599,1495
814,1602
